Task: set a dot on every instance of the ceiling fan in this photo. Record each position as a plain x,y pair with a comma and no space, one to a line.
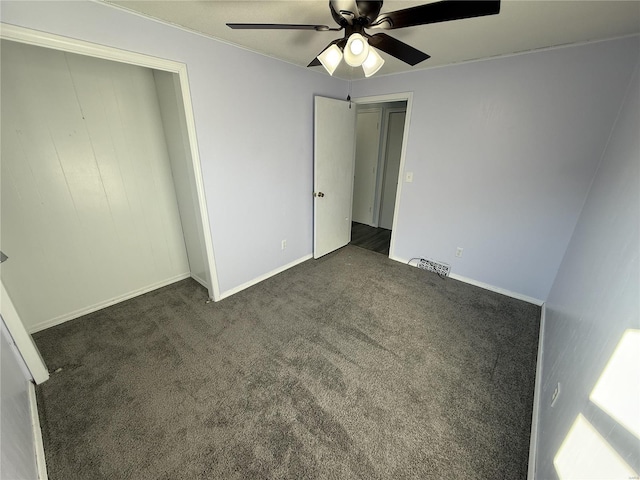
354,16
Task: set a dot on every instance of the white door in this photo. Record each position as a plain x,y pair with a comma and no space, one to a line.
395,130
334,150
366,165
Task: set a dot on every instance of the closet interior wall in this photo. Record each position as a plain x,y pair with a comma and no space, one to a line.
90,210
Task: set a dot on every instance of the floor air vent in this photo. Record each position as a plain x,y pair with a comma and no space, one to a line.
441,269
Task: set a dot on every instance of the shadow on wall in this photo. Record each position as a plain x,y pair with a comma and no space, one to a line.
585,453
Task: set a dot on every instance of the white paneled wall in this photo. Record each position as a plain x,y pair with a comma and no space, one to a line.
89,210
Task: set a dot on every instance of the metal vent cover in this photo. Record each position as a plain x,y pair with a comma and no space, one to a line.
441,269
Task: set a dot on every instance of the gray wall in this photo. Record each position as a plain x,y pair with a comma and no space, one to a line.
253,118
503,152
594,300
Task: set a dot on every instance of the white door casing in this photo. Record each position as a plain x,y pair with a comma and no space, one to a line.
334,153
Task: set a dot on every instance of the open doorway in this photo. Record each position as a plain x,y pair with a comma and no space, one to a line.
379,140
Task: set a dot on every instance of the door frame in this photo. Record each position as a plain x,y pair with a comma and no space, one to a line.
388,98
81,47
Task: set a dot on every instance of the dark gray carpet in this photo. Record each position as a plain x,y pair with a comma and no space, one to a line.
351,366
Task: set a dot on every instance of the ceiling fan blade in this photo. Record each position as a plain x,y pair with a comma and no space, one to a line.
340,42
279,26
436,12
397,49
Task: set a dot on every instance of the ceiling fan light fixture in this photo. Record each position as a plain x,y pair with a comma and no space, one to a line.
356,16
357,50
373,63
330,58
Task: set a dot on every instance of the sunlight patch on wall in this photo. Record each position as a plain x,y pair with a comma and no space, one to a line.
617,391
585,455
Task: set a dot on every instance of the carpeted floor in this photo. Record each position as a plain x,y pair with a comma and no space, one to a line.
351,366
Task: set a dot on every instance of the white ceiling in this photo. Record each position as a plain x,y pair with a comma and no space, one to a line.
521,25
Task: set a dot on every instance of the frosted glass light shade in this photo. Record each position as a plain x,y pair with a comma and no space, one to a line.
330,58
373,63
357,50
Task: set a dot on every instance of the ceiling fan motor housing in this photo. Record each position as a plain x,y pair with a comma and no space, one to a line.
350,12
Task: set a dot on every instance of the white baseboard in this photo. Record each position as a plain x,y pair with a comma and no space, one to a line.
107,303
261,278
503,291
486,286
200,281
37,434
537,393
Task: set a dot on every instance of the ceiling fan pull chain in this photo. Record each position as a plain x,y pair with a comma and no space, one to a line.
349,95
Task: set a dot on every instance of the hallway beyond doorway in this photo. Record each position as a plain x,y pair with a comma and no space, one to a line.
370,238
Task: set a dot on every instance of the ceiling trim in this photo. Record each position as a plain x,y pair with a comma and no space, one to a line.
199,34
323,72
514,54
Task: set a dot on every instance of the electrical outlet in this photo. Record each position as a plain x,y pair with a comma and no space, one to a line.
556,394
284,244
459,251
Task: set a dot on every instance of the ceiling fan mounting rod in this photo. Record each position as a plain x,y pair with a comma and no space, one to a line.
355,28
